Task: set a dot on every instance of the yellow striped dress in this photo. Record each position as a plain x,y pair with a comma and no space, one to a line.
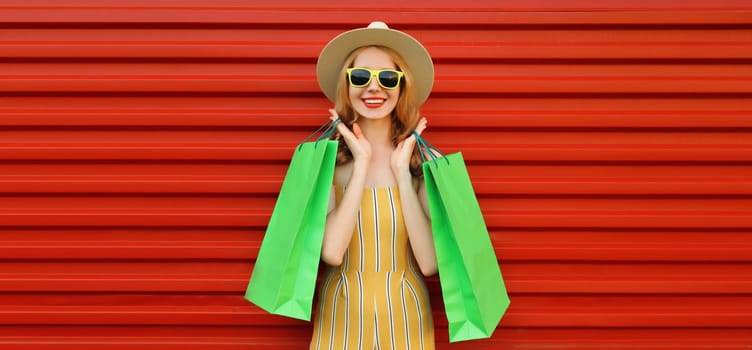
377,298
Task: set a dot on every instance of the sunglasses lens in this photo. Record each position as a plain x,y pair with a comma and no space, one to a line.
389,79
359,77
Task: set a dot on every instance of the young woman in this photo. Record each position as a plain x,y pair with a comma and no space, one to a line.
378,242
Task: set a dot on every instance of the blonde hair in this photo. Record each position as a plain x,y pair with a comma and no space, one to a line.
404,117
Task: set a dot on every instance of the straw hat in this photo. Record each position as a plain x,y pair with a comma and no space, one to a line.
416,56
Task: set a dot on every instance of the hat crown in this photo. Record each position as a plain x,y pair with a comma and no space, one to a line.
378,24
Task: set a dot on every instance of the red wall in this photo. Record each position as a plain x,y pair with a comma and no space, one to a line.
142,144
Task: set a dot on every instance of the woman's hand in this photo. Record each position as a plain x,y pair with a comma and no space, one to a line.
400,160
358,144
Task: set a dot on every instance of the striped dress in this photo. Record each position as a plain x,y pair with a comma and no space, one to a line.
376,299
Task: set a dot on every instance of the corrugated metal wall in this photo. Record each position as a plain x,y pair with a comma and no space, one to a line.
142,144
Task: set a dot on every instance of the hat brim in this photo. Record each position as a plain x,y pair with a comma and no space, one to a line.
333,56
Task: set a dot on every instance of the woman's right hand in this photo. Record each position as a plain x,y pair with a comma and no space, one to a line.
358,144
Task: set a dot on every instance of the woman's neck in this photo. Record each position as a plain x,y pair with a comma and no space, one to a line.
377,131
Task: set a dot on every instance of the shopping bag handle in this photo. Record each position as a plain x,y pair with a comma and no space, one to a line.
329,127
426,147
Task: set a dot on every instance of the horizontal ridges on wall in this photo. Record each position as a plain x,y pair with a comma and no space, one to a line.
142,145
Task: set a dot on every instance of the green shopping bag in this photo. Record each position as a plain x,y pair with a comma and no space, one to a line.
284,277
472,287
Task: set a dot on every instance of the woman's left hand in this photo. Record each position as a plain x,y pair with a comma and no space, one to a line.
400,159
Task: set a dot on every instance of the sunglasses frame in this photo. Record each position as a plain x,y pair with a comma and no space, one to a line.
374,72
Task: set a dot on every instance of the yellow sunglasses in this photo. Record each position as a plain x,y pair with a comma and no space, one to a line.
387,78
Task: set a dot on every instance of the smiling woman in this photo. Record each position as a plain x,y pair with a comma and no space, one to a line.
378,241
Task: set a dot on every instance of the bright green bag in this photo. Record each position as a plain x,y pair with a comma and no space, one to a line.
475,297
284,277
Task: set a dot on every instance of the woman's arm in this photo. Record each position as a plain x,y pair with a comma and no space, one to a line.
414,201
340,222
418,225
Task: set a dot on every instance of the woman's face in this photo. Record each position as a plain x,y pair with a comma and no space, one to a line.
373,101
